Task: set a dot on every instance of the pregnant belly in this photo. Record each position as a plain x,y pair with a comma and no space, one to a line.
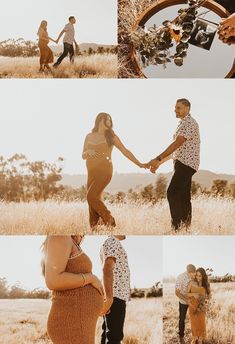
72,311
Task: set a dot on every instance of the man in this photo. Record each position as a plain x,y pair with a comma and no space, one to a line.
185,151
181,289
69,39
117,289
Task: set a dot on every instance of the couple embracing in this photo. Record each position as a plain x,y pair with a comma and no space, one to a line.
193,290
185,152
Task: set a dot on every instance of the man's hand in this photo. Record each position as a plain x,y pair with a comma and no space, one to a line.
107,305
153,165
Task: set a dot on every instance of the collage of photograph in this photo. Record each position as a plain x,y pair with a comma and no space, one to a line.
117,188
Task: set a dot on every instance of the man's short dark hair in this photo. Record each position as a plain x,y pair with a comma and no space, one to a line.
71,17
184,101
191,268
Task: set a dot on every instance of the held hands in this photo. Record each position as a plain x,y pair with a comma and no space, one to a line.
153,165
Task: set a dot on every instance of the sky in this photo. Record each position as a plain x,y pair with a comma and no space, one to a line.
22,255
45,119
216,252
199,63
96,20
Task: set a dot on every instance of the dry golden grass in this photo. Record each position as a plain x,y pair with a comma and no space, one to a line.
24,322
93,66
220,318
210,216
128,13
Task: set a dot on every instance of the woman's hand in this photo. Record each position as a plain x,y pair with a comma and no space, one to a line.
146,165
96,283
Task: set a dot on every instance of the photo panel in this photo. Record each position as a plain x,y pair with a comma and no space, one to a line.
199,287
176,39
61,175
35,300
72,39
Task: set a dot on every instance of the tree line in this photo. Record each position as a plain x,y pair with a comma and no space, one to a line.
23,48
18,292
22,180
155,291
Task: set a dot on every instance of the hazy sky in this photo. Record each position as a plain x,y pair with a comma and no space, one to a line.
199,63
45,119
20,258
216,252
96,20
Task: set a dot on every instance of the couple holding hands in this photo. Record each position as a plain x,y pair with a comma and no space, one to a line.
184,150
46,54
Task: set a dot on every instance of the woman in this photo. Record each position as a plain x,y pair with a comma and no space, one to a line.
78,295
46,54
97,152
198,293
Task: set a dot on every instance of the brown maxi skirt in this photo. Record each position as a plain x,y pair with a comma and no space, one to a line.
46,54
198,320
100,173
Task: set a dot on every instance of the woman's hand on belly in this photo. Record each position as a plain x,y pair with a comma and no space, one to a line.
96,283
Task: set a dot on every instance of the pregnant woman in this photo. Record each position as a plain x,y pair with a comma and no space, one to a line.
46,54
77,294
97,152
199,293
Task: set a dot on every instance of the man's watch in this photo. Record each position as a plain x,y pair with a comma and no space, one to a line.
159,158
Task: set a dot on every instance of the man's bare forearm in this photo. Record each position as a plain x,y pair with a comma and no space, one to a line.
108,281
169,151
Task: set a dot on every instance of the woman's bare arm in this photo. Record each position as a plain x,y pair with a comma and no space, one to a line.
58,250
128,154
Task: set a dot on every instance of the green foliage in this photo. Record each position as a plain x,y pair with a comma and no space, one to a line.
18,292
155,291
18,47
220,187
155,43
22,180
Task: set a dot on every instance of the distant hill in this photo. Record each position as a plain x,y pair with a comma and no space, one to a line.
125,181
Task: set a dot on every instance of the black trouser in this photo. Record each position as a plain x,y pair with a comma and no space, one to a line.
114,322
179,195
182,316
68,49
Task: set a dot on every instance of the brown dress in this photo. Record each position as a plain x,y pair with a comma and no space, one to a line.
100,171
46,54
197,317
74,313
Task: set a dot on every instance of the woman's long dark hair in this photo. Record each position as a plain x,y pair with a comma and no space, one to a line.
205,280
109,133
43,25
